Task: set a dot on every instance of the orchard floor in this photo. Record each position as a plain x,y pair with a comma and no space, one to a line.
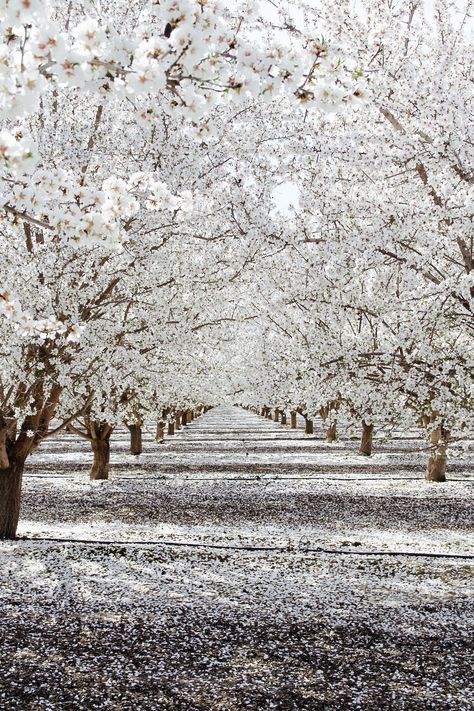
239,566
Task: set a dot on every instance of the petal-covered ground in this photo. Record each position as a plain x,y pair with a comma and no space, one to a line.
240,565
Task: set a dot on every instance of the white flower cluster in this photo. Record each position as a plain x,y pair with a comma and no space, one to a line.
17,154
87,215
156,194
38,329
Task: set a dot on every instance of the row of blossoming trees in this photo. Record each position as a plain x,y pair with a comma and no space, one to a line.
145,265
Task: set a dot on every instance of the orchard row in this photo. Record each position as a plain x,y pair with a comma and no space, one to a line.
208,202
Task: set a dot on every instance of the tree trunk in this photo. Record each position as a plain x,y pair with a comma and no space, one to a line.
4,460
436,469
277,415
366,439
331,433
283,418
293,420
10,496
101,450
135,439
160,431
170,428
178,420
309,428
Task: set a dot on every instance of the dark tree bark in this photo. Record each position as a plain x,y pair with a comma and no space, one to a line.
100,443
100,465
331,433
366,439
10,497
136,446
293,420
309,427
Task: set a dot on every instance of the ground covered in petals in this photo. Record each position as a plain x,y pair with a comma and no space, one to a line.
241,565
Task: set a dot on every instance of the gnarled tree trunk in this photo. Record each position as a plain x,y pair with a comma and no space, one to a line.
309,427
170,428
100,466
10,497
366,439
331,433
136,446
100,442
276,415
293,420
283,417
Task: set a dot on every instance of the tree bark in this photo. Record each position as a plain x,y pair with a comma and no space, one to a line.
366,439
436,468
309,427
10,497
283,418
160,431
4,460
178,420
170,428
101,449
293,420
136,446
331,433
277,415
